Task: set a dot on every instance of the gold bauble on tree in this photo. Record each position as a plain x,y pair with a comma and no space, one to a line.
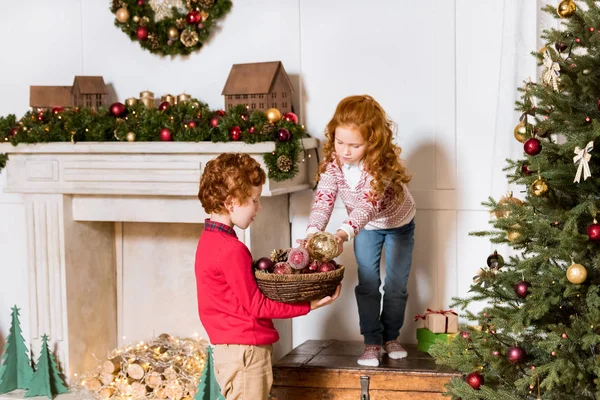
539,187
566,8
322,246
130,137
122,15
576,274
173,33
513,235
508,199
520,132
273,115
284,163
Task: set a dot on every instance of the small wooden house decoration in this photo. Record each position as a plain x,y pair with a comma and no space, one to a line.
87,91
259,86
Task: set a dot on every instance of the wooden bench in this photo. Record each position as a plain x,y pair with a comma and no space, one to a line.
327,370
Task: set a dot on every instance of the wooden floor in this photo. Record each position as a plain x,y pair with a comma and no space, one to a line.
327,370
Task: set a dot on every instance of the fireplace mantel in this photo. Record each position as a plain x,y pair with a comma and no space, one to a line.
73,195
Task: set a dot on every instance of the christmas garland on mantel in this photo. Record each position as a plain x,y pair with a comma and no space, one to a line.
169,27
188,121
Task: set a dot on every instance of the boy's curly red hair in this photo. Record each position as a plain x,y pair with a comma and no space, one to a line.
230,174
382,159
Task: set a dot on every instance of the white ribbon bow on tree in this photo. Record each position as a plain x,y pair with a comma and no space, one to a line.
583,157
551,72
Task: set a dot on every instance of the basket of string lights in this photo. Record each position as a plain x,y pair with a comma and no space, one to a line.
301,273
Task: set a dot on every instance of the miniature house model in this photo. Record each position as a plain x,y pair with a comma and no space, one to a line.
87,91
259,86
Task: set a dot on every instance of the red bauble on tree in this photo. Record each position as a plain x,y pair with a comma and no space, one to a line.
265,264
117,110
214,122
532,147
475,380
192,124
57,110
142,33
290,117
235,132
220,113
165,135
522,289
140,2
283,135
515,355
525,170
193,17
593,232
164,105
251,129
465,335
40,115
13,132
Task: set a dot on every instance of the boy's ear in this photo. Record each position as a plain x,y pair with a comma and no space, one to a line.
229,203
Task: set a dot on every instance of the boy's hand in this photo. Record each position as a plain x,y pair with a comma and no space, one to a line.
303,242
314,304
341,236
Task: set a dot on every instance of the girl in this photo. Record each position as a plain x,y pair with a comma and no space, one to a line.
362,166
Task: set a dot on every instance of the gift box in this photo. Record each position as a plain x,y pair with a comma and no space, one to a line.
426,338
442,321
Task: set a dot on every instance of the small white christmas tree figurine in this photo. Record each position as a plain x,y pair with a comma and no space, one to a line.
16,371
46,379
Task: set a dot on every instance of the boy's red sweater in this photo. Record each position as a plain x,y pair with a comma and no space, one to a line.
232,308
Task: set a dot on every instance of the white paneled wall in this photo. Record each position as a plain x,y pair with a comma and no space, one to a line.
446,72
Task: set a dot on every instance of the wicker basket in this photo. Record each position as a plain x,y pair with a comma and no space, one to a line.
292,288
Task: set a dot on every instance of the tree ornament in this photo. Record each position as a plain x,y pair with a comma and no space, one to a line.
576,274
322,246
130,137
583,157
495,260
193,17
16,371
13,132
561,46
279,255
47,379
265,264
192,124
173,33
551,72
118,110
298,258
251,129
515,355
522,289
142,33
539,187
593,231
283,268
220,113
165,135
525,170
520,132
284,163
214,121
513,235
164,105
586,71
122,15
475,380
283,135
57,110
273,115
290,117
532,146
40,116
189,38
506,200
566,8
235,132
465,335
206,3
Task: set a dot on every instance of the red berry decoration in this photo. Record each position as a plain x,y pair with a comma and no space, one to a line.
265,264
13,132
214,122
40,115
522,289
235,132
193,17
290,117
252,129
515,355
532,147
165,135
142,33
475,380
57,110
283,135
525,170
117,110
593,232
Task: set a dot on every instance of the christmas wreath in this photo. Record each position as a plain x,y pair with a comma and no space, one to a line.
187,121
169,27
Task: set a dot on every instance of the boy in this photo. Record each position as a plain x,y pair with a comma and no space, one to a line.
235,314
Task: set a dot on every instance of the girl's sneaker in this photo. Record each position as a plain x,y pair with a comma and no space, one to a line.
370,357
394,350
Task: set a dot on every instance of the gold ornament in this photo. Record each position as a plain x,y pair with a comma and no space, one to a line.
189,38
284,163
508,199
204,15
566,8
132,101
273,115
136,19
322,246
279,255
513,235
173,33
180,23
130,137
539,187
576,274
206,3
122,15
520,132
154,43
144,21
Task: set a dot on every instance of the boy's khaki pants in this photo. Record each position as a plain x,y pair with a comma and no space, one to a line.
244,372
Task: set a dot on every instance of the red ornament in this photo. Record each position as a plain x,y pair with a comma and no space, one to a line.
142,33
40,115
214,122
593,232
193,17
522,289
532,147
475,380
283,135
515,355
265,264
326,267
290,117
220,113
140,2
235,132
465,335
283,268
313,266
251,129
525,170
192,124
117,110
298,258
164,105
244,117
13,132
165,135
587,119
57,110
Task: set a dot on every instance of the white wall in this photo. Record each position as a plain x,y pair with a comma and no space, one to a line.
445,70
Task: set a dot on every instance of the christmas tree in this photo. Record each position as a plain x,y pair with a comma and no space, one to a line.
15,371
46,379
208,388
538,335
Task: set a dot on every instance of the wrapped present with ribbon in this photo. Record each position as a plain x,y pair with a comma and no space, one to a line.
426,338
440,321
